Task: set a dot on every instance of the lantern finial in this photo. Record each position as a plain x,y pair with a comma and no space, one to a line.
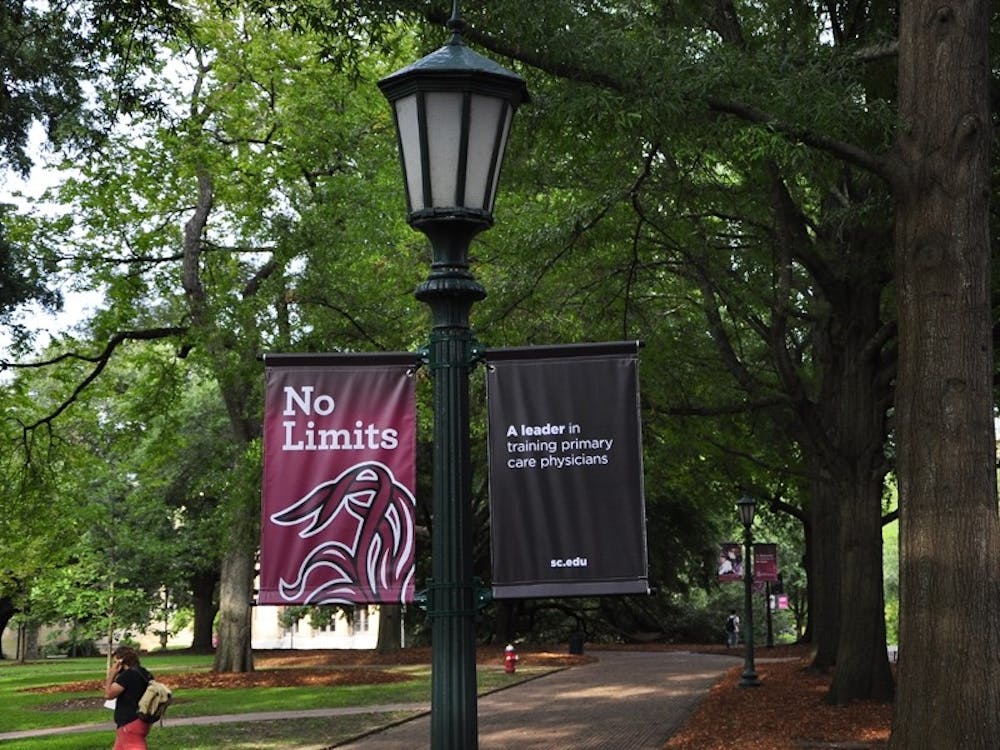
456,25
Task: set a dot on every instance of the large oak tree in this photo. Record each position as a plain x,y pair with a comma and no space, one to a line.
949,537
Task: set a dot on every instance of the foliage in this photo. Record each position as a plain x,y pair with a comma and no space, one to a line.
23,280
49,52
240,113
642,198
107,554
293,190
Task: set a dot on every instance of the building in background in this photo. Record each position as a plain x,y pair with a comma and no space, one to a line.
359,631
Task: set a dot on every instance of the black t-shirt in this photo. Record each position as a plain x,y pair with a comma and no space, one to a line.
134,680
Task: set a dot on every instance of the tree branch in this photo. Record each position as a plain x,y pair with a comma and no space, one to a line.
100,361
722,410
846,152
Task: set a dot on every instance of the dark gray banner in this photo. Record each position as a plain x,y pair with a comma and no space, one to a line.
567,512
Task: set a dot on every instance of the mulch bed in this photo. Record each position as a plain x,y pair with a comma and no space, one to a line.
786,712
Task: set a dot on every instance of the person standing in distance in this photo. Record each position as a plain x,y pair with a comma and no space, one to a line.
732,629
126,682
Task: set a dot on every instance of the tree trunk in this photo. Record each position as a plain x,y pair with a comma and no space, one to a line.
824,574
234,653
862,671
949,670
390,622
7,611
205,608
28,643
839,421
506,630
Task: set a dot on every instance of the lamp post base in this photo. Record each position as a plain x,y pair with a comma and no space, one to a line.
749,679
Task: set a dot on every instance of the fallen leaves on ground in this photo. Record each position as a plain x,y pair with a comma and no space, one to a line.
259,678
485,656
322,667
786,712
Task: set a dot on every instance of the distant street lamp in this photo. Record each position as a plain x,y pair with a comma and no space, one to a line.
453,111
747,507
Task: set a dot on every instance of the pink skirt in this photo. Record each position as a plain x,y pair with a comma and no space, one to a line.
132,736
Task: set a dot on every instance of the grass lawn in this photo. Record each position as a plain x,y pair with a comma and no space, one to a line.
304,734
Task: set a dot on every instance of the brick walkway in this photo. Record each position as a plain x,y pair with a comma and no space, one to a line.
624,701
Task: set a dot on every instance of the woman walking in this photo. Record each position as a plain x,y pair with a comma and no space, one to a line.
126,682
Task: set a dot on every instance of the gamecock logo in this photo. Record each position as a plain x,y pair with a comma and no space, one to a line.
366,521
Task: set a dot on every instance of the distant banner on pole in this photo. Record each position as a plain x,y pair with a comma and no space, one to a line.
730,562
339,476
567,512
765,562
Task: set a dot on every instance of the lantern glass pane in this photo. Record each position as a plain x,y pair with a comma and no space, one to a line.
444,130
409,143
504,131
484,129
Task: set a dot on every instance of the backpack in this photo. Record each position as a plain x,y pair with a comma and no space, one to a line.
730,624
153,703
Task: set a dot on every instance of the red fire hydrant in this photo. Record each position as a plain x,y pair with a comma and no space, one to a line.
509,659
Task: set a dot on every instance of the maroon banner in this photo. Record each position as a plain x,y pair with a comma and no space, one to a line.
339,476
730,562
765,563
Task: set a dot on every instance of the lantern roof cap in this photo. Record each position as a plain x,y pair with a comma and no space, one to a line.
456,61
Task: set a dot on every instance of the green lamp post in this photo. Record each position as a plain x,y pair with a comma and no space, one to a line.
453,111
747,508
